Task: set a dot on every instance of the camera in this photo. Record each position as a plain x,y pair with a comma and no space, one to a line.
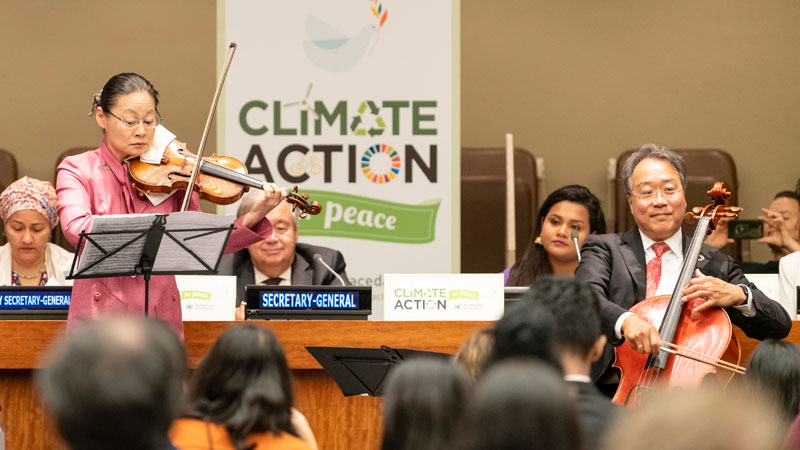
745,229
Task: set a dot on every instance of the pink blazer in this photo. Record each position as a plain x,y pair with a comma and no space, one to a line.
94,184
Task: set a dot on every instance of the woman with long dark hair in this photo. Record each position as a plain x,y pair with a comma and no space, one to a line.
519,404
552,251
774,368
240,397
423,402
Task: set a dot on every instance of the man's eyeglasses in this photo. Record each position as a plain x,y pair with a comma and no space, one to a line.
648,195
150,122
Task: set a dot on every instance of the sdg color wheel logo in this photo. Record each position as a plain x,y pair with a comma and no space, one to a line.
380,163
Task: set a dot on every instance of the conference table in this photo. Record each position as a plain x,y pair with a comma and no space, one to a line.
338,422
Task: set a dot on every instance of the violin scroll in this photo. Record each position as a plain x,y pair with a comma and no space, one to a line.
300,201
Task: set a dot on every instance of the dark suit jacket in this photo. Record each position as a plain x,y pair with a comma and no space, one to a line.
305,272
595,413
614,266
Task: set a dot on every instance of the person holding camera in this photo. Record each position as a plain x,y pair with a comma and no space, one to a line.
781,232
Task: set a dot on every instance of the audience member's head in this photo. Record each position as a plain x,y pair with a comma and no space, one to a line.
275,254
577,317
474,352
115,381
774,367
572,207
704,419
519,404
243,383
423,402
527,329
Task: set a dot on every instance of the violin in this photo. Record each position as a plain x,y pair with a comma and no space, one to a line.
219,179
693,344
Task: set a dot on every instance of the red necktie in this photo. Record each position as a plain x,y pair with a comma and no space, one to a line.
654,268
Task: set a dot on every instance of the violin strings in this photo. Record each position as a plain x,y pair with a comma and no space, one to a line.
230,174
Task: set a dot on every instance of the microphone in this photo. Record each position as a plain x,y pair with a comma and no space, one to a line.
318,258
574,236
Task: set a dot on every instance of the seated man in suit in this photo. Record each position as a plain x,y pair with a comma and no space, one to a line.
280,259
579,343
625,268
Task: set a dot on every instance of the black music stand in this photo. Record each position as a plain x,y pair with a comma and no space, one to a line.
363,370
131,246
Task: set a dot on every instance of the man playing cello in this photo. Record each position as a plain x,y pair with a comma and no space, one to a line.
625,268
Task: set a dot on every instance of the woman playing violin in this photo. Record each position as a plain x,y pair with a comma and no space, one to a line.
97,183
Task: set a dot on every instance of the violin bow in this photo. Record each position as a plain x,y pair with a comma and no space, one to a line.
220,83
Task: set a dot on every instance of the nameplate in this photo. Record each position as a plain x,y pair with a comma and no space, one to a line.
308,302
34,302
207,298
443,296
34,298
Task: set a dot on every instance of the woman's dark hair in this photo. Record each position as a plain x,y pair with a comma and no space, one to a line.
243,383
774,367
519,404
534,261
423,402
119,85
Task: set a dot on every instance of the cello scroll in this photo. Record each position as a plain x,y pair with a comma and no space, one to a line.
715,211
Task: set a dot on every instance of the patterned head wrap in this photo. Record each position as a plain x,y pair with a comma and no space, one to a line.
29,193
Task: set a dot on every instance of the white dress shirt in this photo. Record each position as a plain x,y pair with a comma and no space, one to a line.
286,277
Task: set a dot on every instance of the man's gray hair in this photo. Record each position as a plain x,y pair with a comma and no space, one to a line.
655,152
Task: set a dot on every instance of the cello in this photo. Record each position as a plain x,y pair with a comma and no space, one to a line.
693,344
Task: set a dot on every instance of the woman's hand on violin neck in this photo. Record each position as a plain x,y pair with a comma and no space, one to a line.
271,196
641,335
715,292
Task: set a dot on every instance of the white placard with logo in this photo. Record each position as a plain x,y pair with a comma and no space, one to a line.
207,297
443,296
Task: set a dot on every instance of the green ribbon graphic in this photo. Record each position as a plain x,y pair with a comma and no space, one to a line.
356,217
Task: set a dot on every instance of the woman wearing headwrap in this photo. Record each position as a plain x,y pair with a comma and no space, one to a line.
28,211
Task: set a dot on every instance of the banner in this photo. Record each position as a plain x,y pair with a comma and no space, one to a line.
355,102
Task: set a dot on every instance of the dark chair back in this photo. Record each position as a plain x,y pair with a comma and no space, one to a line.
483,213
